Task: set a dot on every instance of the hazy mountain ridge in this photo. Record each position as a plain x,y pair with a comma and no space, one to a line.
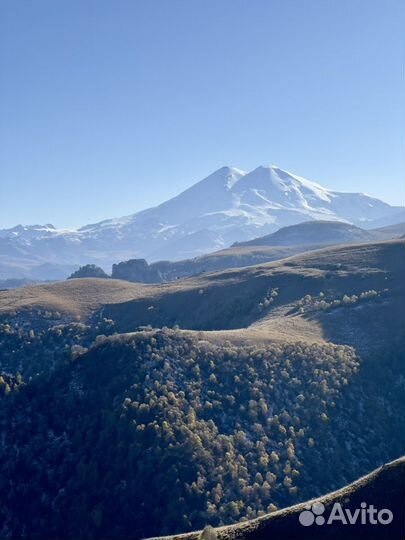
286,242
229,205
323,232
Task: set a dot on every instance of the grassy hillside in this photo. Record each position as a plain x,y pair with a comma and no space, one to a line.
314,232
258,302
391,231
242,299
73,299
324,233
286,242
284,381
138,270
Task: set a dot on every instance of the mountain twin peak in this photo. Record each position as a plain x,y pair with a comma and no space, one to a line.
230,205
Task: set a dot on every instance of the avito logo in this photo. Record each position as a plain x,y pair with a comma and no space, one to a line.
365,515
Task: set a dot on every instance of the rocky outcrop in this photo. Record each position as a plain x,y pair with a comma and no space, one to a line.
136,270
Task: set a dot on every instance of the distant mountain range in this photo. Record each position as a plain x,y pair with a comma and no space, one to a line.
285,242
228,206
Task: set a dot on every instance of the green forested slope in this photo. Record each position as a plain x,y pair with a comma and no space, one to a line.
158,433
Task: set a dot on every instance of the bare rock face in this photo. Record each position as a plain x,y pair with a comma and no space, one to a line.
89,271
136,270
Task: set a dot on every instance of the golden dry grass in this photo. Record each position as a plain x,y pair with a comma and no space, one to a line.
76,297
222,305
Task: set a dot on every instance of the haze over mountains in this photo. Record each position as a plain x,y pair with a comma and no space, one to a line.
228,206
287,241
315,232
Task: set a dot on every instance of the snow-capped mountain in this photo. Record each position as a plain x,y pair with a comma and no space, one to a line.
228,206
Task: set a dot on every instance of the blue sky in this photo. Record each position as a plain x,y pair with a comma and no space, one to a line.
111,107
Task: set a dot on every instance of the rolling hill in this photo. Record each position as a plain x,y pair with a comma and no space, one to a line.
72,299
396,230
287,241
238,302
230,395
314,232
138,270
324,233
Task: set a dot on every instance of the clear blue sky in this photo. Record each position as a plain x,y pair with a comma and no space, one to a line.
108,107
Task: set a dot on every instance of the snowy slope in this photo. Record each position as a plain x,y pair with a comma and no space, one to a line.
229,205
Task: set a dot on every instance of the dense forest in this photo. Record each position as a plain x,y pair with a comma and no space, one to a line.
128,436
